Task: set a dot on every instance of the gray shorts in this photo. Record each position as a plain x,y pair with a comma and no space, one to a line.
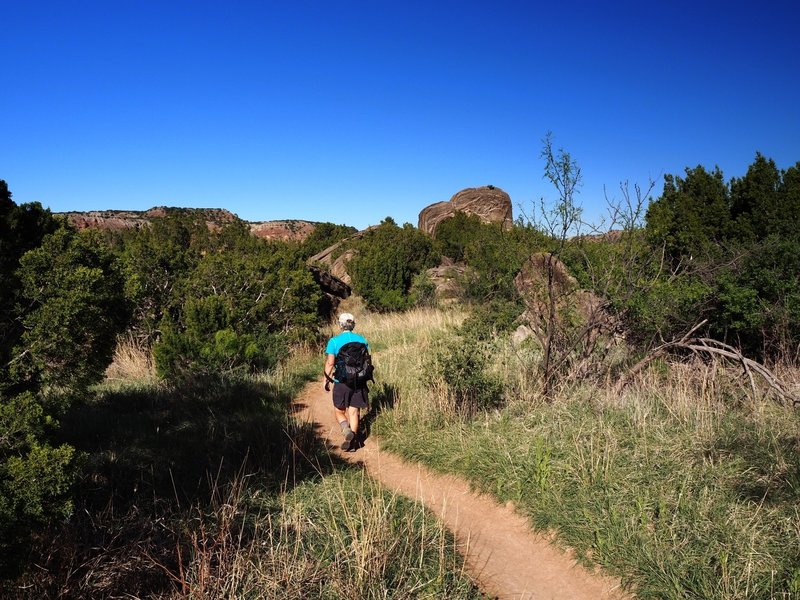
344,396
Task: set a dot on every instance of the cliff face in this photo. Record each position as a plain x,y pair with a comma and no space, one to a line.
117,220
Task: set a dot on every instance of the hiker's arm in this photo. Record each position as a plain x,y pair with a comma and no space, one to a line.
328,369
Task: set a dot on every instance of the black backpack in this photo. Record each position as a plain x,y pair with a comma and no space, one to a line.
353,365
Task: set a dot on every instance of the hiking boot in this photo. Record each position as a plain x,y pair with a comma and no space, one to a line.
348,440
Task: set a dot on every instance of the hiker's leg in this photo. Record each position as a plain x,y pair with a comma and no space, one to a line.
340,403
357,402
340,415
353,416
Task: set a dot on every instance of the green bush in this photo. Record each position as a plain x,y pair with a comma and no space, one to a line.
493,318
206,345
737,247
324,236
386,261
459,362
72,289
456,234
241,309
492,254
157,260
423,290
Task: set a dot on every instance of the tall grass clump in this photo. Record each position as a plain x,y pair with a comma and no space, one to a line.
131,361
683,485
341,537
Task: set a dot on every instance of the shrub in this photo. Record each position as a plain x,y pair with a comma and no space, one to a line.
241,308
459,362
385,263
423,290
62,309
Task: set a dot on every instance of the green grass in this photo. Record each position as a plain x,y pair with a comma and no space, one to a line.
682,487
212,489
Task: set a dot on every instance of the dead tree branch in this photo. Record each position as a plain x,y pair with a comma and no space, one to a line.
715,348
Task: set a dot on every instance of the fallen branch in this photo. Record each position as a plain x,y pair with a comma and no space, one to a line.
714,348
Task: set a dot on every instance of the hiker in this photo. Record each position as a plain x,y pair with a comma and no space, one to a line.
348,366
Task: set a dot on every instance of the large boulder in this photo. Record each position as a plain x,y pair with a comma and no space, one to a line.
328,283
572,304
490,203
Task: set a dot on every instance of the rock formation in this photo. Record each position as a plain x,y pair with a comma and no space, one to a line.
446,278
286,231
490,203
572,304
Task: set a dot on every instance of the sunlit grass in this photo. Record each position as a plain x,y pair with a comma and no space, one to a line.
683,484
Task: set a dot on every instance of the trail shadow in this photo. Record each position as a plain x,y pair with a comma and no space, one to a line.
382,396
158,461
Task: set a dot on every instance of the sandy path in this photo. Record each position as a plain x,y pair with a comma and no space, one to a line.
506,558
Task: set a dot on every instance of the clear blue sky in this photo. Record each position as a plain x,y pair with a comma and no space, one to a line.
352,111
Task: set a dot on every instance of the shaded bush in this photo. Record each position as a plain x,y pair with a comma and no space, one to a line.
61,308
240,311
738,243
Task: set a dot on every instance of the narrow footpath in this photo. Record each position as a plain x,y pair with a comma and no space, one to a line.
506,558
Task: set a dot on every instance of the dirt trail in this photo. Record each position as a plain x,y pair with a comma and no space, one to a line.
507,559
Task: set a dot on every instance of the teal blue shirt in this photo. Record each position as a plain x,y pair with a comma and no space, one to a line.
335,343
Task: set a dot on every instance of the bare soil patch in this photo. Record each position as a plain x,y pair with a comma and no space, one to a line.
506,558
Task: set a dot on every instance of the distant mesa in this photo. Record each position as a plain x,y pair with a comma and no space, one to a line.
287,231
488,202
118,220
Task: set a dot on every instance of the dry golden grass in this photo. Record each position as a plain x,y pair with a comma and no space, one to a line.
131,362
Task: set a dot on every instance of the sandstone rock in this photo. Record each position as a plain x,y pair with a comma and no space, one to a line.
489,203
571,303
116,220
521,333
338,266
290,230
330,284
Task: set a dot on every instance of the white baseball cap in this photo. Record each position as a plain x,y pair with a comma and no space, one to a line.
345,317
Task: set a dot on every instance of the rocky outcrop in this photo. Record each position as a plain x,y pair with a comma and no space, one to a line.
114,220
572,304
489,203
329,269
447,279
334,262
330,284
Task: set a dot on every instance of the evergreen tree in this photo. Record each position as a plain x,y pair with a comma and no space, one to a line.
62,308
386,261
